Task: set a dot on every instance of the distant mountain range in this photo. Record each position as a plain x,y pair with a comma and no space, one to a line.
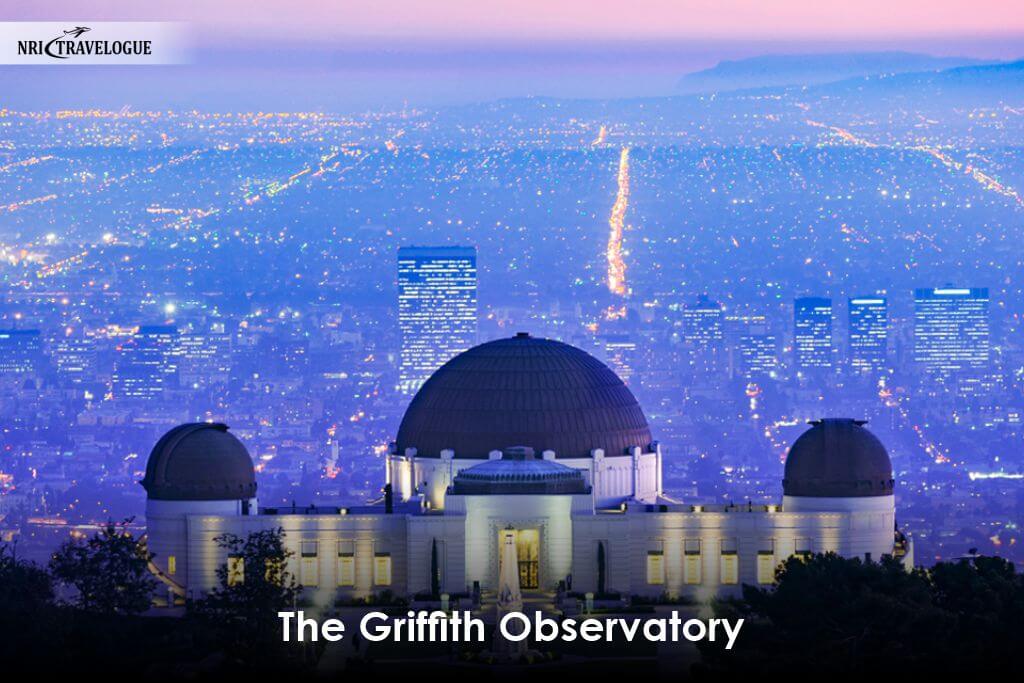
771,71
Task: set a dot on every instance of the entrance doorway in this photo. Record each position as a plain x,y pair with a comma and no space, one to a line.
527,556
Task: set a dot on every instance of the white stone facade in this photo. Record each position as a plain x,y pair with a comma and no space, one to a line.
650,549
613,479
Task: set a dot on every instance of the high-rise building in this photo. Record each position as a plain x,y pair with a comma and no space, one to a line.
147,363
951,329
702,322
869,332
812,338
205,359
757,355
620,353
437,312
751,345
21,352
75,358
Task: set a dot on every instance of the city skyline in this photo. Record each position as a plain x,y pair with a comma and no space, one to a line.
223,242
672,312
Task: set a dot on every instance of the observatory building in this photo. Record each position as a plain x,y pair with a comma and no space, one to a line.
535,438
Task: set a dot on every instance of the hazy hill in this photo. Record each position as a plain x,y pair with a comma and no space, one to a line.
811,69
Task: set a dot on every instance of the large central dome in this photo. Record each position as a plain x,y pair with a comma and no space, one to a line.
523,391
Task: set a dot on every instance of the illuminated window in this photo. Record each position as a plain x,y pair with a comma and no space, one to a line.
765,568
309,568
729,566
346,563
382,569
766,562
655,567
236,570
730,569
691,561
172,565
691,570
273,570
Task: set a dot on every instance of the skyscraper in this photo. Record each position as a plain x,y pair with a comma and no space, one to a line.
21,352
75,358
703,334
751,344
757,355
951,329
702,323
436,309
205,358
869,332
620,354
812,339
147,363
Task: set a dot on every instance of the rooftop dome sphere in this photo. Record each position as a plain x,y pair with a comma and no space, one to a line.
523,391
837,458
199,461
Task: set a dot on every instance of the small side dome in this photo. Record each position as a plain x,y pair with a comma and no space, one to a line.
838,458
199,461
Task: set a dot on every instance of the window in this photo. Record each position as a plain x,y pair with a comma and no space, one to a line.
309,569
655,567
236,570
273,570
382,569
346,563
691,570
765,568
729,564
172,565
766,563
730,569
802,548
691,561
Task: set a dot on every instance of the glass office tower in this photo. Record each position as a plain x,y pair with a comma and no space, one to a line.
812,340
437,309
951,329
869,332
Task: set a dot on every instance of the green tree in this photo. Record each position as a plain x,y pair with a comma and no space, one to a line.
252,587
830,615
109,571
25,588
435,571
987,597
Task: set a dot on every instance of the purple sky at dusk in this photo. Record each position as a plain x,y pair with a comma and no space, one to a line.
371,53
517,20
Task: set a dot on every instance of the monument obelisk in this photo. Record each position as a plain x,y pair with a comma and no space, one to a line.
510,596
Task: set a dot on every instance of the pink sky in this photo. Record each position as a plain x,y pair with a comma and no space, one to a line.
472,20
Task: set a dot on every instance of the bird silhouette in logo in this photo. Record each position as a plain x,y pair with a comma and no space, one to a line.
76,31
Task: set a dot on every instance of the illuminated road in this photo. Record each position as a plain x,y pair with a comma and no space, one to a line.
986,181
616,223
979,176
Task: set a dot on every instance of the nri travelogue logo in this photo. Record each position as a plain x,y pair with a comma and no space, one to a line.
68,45
91,43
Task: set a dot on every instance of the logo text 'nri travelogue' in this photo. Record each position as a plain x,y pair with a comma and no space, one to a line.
92,43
